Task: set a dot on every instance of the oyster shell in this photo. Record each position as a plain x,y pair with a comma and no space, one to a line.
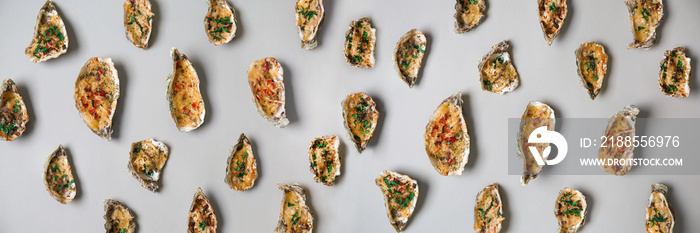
309,15
552,16
659,216
675,73
242,168
184,97
96,93
220,22
408,56
138,22
497,72
446,137
50,36
622,125
58,176
359,44
146,161
266,81
13,112
488,211
469,14
537,114
570,210
119,219
645,18
360,118
400,197
295,215
201,217
592,64
324,158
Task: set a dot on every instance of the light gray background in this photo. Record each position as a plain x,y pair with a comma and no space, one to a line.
316,82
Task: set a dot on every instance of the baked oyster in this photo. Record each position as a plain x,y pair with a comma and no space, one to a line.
266,81
469,14
659,217
96,93
675,73
146,161
58,176
360,118
119,219
201,217
488,211
645,18
621,125
446,137
408,56
496,70
325,159
309,15
359,44
552,16
183,94
242,168
138,22
13,112
592,64
50,36
295,215
537,114
220,22
400,197
570,210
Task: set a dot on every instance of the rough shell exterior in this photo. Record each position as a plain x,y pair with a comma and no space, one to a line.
219,10
279,118
398,222
650,39
520,140
14,112
620,124
177,56
373,113
464,11
144,21
60,154
498,50
150,184
571,221
211,222
110,223
406,52
104,132
552,15
659,215
243,142
353,56
331,143
458,149
308,21
488,219
47,12
580,64
675,85
298,190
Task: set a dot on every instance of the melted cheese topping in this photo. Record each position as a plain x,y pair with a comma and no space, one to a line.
187,105
592,65
308,14
622,127
243,171
409,56
659,216
470,15
487,211
446,137
148,160
498,73
401,194
552,15
266,82
570,210
295,216
219,22
59,177
361,117
645,16
201,217
13,116
533,118
50,37
324,159
675,71
359,44
96,95
120,220
137,21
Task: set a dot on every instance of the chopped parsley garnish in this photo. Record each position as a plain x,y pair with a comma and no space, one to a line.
553,7
202,225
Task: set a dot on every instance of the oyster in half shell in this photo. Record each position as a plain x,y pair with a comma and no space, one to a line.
295,215
446,137
488,211
360,118
552,16
408,56
96,93
675,73
537,114
469,14
592,64
400,197
201,217
266,81
325,159
359,44
50,36
659,215
621,125
183,95
220,22
309,15
645,18
146,161
138,22
58,176
119,219
242,168
496,70
13,112
570,210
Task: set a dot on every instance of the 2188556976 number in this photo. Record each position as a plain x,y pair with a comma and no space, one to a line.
640,141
